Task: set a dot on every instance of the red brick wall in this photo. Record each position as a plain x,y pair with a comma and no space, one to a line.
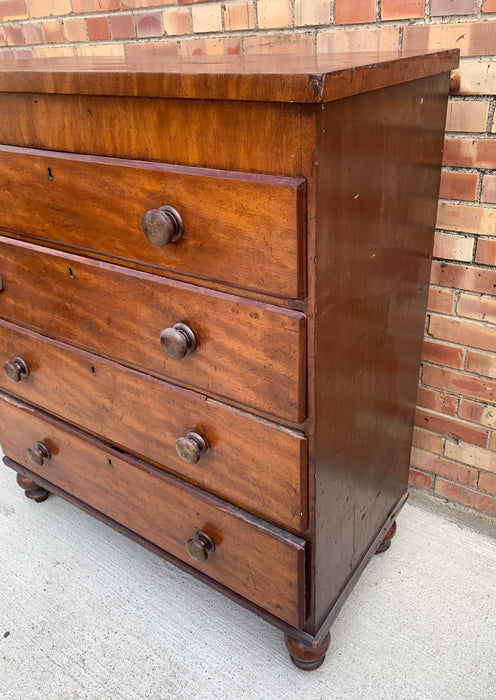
454,452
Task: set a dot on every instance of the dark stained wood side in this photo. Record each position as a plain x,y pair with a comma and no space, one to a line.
241,229
129,491
251,462
120,314
377,188
273,78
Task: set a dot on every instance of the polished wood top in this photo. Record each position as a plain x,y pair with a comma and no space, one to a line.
274,78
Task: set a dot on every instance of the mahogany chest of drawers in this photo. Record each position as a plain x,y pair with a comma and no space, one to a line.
213,288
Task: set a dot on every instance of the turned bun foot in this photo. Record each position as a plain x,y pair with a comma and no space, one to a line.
32,490
386,542
307,656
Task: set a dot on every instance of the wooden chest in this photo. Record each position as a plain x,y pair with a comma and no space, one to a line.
213,288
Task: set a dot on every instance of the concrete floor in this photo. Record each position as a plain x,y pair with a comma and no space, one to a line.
86,613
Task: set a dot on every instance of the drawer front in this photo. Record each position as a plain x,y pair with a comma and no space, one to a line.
249,461
259,562
240,229
247,352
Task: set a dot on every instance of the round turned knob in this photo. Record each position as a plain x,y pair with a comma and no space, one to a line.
161,226
191,447
39,454
200,546
16,370
178,341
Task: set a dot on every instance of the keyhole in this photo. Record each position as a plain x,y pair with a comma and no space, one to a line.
109,462
71,273
50,175
93,370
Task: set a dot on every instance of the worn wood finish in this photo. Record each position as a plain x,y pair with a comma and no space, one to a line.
272,78
338,365
128,491
393,140
32,490
245,230
253,463
268,375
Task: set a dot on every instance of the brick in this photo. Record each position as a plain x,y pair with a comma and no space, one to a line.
207,18
53,31
472,38
487,482
53,51
455,185
14,35
459,383
486,251
3,40
307,13
451,427
440,354
13,9
443,467
425,440
49,8
484,414
493,443
279,43
219,46
152,49
465,218
489,6
22,53
88,6
470,454
190,2
440,300
451,246
354,11
176,21
402,9
473,279
344,41
470,153
101,49
420,479
437,401
274,13
148,24
474,78
239,15
469,333
453,7
481,363
467,115
122,26
75,29
488,193
478,307
133,4
467,497
98,28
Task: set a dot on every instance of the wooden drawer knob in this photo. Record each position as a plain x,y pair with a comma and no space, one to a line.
162,226
191,447
39,454
200,547
16,370
178,341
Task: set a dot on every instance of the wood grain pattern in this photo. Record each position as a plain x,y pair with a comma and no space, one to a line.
120,314
251,462
275,78
244,230
378,181
128,491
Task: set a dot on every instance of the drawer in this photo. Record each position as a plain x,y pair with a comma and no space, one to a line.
251,462
165,511
247,352
241,229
